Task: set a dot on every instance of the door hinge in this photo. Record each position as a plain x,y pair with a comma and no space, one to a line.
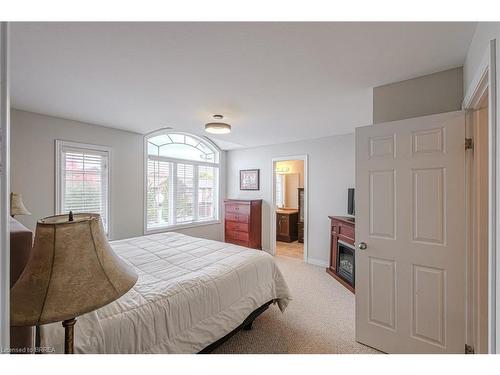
469,144
469,349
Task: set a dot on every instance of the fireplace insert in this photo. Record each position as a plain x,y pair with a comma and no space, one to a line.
345,262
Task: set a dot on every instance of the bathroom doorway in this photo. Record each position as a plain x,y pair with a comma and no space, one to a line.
289,209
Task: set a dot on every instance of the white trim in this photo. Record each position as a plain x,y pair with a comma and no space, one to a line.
494,271
305,158
317,262
144,181
170,130
59,145
474,189
182,161
218,167
4,188
478,84
488,66
184,226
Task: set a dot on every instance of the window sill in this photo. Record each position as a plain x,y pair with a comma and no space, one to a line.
181,226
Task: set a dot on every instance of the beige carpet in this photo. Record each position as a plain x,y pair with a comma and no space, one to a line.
320,319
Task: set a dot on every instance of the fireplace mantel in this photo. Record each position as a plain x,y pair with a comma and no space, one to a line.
342,231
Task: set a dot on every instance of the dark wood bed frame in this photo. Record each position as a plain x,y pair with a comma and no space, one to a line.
246,325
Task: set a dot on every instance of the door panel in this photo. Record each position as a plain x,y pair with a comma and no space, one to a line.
428,205
382,292
428,141
428,305
382,203
382,146
410,210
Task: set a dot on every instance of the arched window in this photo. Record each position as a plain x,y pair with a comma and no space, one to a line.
182,180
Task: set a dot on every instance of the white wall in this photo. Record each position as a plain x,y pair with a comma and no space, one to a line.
33,168
331,172
426,95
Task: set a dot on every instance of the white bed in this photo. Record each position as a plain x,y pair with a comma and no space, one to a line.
190,293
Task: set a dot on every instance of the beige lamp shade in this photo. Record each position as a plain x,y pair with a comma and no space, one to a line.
72,271
17,205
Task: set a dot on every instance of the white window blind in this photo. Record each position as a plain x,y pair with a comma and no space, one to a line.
184,194
159,188
206,192
181,181
83,180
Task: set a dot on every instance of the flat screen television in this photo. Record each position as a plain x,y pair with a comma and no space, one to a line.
350,202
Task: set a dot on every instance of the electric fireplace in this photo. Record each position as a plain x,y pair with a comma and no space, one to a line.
342,263
345,262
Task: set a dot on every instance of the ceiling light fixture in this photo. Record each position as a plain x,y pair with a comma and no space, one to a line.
218,127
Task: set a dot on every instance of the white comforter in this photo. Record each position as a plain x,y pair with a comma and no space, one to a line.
190,293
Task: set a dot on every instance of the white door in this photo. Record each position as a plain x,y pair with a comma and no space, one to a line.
410,212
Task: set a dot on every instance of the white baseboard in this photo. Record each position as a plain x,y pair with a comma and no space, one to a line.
317,262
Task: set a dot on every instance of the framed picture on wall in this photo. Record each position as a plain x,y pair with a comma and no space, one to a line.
249,179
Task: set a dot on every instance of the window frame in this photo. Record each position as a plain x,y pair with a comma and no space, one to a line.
196,164
59,146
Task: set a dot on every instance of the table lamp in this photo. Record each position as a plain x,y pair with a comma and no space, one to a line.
72,271
17,206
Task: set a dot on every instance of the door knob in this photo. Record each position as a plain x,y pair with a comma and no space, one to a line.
362,246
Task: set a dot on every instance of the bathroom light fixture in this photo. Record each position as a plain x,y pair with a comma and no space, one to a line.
282,170
218,127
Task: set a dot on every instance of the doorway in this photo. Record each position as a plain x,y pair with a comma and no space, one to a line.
478,232
289,208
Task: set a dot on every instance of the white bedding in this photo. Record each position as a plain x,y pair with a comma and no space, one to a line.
190,293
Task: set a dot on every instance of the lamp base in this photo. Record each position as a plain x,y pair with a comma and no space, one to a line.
69,335
38,341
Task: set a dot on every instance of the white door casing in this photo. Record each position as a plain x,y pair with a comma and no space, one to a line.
4,187
410,211
272,218
479,227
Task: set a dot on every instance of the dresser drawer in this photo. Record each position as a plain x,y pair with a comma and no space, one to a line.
242,222
237,242
232,226
242,236
238,218
238,209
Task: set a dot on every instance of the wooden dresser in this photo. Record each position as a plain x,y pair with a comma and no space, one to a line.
243,222
342,238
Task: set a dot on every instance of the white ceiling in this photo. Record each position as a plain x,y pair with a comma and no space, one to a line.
274,82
